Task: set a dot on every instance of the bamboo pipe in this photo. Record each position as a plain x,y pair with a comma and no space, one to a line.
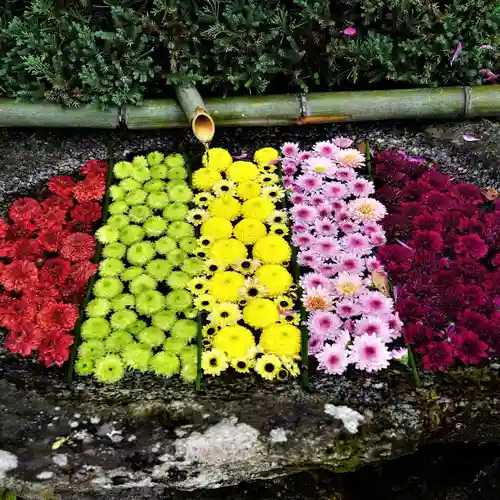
194,108
265,110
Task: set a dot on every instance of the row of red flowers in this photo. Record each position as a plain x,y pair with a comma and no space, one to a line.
46,249
443,259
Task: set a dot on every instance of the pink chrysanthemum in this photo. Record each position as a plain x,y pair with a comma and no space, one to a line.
361,187
326,148
320,165
302,240
372,227
297,198
376,303
342,215
288,182
345,174
348,285
342,142
373,325
394,322
325,323
351,263
357,243
377,239
351,158
325,209
316,343
317,299
373,264
290,149
313,280
317,200
308,258
366,209
348,227
308,182
303,156
333,359
326,247
304,213
368,352
336,190
325,227
328,270
289,168
347,308
338,205
300,227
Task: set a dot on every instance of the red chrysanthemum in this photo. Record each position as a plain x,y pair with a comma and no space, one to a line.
55,270
15,311
438,357
469,349
24,340
496,260
4,228
51,239
24,209
91,188
19,275
7,249
86,212
54,348
55,202
471,245
62,185
28,249
58,316
426,241
78,247
95,168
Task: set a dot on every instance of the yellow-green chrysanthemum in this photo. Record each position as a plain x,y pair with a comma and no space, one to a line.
268,366
225,207
259,313
228,251
281,339
214,362
275,278
248,231
257,208
217,159
242,171
236,341
217,228
225,286
205,178
272,249
264,156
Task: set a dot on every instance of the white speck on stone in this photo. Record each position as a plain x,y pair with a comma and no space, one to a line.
47,474
56,418
351,419
76,415
131,438
181,432
8,461
74,424
95,420
57,408
83,435
61,459
278,435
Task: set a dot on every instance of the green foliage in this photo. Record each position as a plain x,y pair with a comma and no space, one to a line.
114,52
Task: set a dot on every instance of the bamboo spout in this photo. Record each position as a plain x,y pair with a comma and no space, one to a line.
202,124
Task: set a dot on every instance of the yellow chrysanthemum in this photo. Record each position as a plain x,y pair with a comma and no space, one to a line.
242,171
258,208
242,365
259,313
225,286
205,178
247,266
248,189
213,266
274,192
217,159
291,366
284,302
268,179
275,278
197,285
225,188
228,251
248,231
217,228
235,341
209,330
281,339
205,242
279,229
268,366
277,217
265,155
225,207
272,249
225,314
204,302
203,199
252,289
214,362
291,318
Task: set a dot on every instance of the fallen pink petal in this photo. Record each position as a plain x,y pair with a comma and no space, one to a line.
351,31
469,138
241,156
457,53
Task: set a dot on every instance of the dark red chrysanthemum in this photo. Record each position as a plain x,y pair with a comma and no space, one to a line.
78,247
496,260
19,275
416,333
51,239
427,222
4,228
55,270
437,180
81,272
86,212
95,168
23,340
426,241
54,348
28,249
439,356
58,315
469,192
24,209
7,249
469,349
410,310
471,245
62,185
91,188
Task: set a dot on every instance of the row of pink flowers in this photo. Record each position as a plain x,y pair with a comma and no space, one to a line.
336,231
